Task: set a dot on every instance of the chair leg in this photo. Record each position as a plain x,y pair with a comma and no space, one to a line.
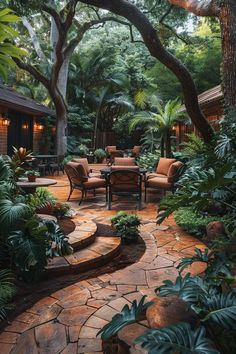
71,190
82,197
109,201
145,194
106,193
94,192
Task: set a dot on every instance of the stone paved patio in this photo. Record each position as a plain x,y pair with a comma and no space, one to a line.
68,320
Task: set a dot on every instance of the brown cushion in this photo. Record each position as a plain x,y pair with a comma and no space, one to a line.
164,165
110,148
95,174
125,161
173,171
80,175
158,182
84,162
94,182
136,149
153,175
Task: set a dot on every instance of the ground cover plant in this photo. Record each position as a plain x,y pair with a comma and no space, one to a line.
26,241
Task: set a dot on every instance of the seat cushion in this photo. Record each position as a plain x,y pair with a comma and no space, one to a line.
125,161
153,174
158,182
164,165
94,182
173,171
95,174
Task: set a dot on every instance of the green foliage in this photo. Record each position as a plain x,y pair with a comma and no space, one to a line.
100,154
195,222
149,160
193,147
126,226
31,246
179,338
201,190
7,290
32,173
127,316
7,49
12,215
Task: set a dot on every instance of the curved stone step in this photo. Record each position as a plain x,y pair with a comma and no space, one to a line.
83,234
100,252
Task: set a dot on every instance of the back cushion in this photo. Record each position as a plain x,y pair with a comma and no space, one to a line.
80,169
164,165
110,148
125,161
84,162
173,171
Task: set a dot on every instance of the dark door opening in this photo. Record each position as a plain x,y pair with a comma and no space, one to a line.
20,131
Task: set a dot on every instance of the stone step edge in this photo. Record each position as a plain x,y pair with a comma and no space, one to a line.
88,264
88,238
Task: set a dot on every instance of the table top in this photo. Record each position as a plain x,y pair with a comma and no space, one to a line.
107,170
45,156
40,182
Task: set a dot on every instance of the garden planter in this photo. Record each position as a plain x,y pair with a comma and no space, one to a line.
31,178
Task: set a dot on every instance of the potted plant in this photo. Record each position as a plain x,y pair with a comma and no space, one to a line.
31,174
100,155
126,226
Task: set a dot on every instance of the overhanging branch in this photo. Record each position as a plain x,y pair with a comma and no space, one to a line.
34,72
198,7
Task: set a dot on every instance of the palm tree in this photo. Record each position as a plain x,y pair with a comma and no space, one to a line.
160,123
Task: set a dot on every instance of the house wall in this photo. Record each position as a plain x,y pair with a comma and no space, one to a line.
37,134
3,133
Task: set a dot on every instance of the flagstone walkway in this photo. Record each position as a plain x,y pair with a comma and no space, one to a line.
68,320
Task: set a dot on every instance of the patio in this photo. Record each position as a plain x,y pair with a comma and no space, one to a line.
67,321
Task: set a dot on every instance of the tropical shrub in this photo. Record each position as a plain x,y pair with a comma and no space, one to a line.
126,226
100,155
195,222
149,160
7,290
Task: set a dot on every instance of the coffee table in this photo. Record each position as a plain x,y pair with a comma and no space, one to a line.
30,187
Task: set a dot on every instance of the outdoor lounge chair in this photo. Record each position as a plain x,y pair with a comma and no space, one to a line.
79,179
136,151
90,173
165,177
125,182
112,152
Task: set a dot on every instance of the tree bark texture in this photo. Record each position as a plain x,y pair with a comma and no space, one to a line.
198,7
227,19
140,21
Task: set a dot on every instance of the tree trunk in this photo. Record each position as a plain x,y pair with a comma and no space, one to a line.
227,19
162,147
63,78
61,122
168,144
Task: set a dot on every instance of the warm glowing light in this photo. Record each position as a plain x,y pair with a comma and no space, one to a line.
6,122
25,126
38,126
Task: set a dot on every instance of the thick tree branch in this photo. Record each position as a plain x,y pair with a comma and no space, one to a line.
140,21
198,7
34,39
34,72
